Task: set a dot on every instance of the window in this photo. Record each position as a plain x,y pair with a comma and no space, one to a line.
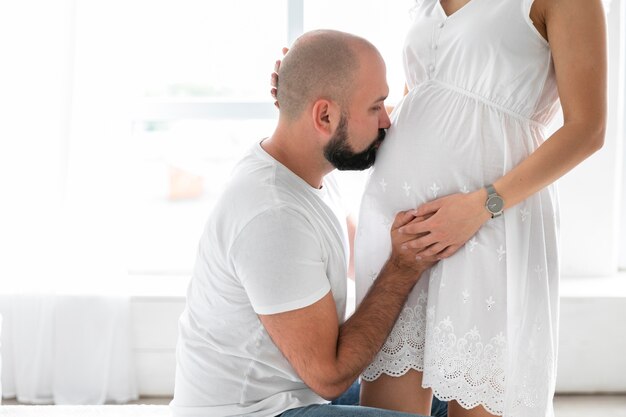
185,87
178,90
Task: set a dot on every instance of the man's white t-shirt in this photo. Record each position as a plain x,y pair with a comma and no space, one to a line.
272,244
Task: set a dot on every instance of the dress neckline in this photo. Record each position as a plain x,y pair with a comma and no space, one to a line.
443,11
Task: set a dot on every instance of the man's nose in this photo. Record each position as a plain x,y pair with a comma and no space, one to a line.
384,122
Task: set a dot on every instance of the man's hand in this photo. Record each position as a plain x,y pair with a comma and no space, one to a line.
403,255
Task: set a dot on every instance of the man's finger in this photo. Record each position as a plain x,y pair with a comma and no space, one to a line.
402,218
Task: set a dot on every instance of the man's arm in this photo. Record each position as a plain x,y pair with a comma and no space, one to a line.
329,358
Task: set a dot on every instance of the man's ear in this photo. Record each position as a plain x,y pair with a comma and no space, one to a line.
326,115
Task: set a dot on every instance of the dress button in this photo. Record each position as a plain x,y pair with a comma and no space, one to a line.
431,68
433,46
441,25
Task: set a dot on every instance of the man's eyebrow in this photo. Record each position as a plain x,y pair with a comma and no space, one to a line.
382,98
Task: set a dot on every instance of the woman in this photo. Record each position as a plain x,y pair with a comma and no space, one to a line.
468,147
484,80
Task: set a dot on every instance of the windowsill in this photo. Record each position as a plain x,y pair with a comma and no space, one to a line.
175,286
156,286
594,287
161,287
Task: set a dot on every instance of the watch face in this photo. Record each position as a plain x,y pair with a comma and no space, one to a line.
495,204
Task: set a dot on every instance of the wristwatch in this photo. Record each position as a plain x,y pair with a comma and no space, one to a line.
494,203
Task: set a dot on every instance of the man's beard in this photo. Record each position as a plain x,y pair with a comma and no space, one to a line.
340,154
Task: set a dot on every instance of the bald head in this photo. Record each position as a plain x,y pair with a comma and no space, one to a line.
320,64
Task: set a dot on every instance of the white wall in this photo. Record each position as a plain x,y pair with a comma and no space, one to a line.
155,330
592,336
591,345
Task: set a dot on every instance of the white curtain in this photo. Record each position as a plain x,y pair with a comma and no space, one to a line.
61,210
0,358
67,349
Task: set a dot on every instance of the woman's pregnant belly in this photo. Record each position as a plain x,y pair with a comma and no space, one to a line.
440,142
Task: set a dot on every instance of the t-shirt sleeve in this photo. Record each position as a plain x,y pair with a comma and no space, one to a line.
280,262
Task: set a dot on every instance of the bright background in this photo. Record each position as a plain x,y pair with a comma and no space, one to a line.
120,121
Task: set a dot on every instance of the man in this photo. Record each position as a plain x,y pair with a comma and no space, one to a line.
263,332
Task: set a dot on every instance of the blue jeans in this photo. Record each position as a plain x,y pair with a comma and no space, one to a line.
330,410
348,405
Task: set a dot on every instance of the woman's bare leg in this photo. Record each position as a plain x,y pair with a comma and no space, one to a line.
455,410
404,393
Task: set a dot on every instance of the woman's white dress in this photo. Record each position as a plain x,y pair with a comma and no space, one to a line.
482,325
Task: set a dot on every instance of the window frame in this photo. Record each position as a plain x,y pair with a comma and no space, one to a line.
622,132
168,109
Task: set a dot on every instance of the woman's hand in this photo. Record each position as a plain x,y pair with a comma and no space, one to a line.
446,224
274,79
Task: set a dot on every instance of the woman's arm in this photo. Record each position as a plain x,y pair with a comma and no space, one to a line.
274,79
577,35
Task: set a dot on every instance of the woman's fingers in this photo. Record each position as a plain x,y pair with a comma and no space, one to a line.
420,243
416,227
427,209
431,251
448,252
274,79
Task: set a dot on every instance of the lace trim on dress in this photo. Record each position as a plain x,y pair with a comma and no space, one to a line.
466,369
404,348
